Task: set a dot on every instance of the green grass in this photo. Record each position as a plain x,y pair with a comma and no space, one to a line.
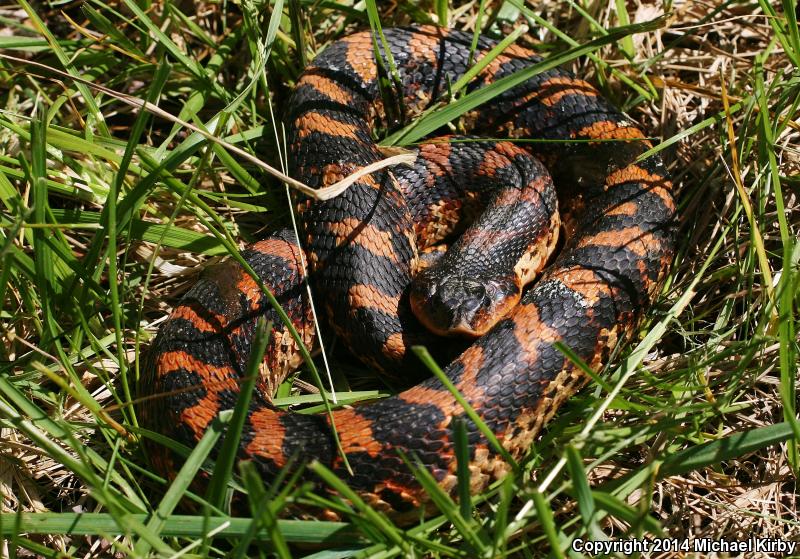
108,206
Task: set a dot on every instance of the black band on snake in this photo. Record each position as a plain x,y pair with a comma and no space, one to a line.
364,247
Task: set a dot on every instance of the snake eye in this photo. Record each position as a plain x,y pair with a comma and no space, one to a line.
499,290
467,298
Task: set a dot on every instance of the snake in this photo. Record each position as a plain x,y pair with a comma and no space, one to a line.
546,157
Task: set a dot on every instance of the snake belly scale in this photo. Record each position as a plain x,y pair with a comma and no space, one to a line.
363,247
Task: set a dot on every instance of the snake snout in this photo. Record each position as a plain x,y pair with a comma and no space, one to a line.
463,306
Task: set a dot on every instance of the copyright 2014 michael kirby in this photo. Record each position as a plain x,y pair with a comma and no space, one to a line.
772,546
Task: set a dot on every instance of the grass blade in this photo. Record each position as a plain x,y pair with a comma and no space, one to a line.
726,448
267,505
545,516
387,530
583,493
465,525
181,483
461,447
230,445
184,526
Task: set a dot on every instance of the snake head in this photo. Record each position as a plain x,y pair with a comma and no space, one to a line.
462,306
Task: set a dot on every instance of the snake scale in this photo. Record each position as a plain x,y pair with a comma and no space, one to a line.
363,247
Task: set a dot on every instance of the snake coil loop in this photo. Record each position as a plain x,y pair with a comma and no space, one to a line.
364,246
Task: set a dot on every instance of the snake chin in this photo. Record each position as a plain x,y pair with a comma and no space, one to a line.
463,306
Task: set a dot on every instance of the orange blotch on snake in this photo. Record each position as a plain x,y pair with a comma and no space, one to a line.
657,185
422,45
473,359
511,52
355,433
437,154
585,282
326,86
268,436
369,237
528,325
368,296
171,361
289,252
555,89
311,122
610,130
633,239
359,56
626,208
186,312
248,287
395,346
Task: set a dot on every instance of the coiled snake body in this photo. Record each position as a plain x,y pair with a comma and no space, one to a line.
363,247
